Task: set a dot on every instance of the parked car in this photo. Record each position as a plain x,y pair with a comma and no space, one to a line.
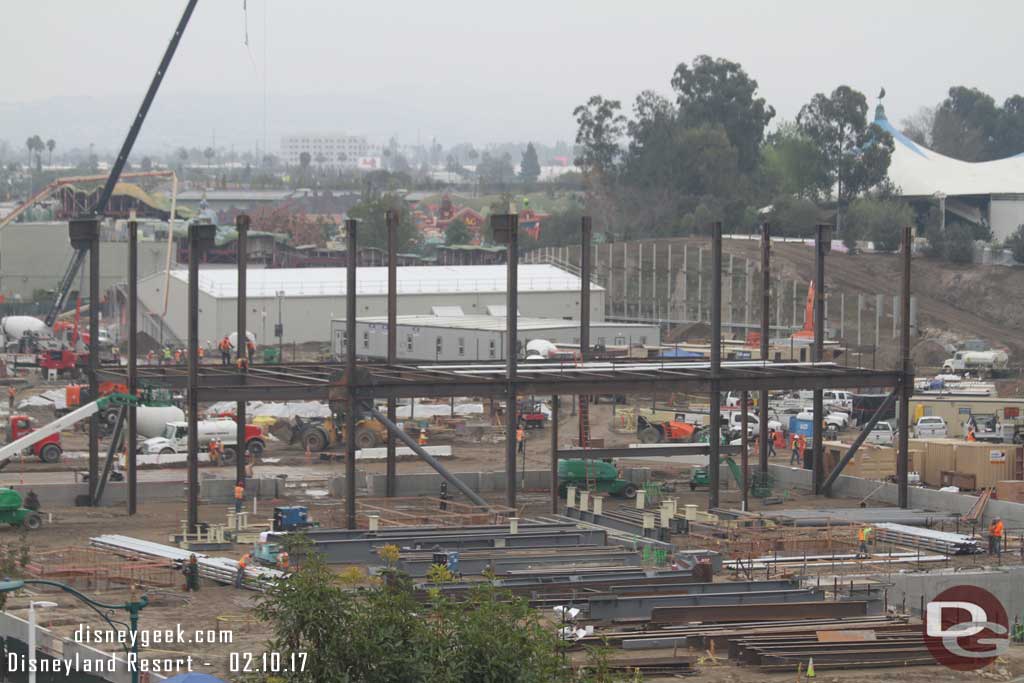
882,434
931,426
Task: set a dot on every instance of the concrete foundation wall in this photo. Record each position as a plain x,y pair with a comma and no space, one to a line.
116,493
1002,582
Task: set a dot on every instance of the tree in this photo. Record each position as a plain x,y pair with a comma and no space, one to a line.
919,127
381,633
1015,243
495,170
529,169
51,144
793,164
1010,132
719,92
965,125
304,160
794,216
209,153
457,233
373,232
878,220
856,154
599,128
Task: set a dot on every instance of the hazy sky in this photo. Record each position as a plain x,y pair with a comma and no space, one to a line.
461,70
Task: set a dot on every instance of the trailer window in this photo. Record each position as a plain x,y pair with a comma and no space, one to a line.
492,351
366,339
462,346
439,344
408,343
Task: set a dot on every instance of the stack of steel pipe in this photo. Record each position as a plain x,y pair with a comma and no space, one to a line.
927,539
219,569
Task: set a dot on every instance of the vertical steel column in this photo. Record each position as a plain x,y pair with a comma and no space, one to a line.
907,388
350,372
766,307
585,268
94,358
822,243
242,225
391,468
199,235
133,355
744,451
715,399
511,355
554,454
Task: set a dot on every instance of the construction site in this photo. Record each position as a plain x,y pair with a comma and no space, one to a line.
713,457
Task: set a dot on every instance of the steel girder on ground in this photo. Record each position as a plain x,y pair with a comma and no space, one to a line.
312,381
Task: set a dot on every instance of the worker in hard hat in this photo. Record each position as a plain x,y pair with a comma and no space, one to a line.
995,537
864,536
225,350
191,572
423,438
970,433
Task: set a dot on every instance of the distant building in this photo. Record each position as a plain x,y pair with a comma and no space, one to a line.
336,149
987,193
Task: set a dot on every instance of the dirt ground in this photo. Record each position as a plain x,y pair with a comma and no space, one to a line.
220,608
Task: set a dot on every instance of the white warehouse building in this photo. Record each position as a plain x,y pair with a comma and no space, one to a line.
306,300
477,337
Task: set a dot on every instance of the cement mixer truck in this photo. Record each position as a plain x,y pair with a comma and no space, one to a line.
976,362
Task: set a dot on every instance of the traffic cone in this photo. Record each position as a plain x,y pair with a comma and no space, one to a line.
810,668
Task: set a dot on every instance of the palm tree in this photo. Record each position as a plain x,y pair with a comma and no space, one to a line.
30,143
50,144
208,153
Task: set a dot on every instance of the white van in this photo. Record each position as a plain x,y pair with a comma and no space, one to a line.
931,426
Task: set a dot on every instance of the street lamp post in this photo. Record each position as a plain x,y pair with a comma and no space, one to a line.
133,607
32,605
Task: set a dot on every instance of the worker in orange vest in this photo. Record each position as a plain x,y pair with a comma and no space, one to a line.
282,561
242,363
995,537
250,348
225,350
423,437
864,536
239,495
243,561
520,439
970,434
11,393
150,357
215,452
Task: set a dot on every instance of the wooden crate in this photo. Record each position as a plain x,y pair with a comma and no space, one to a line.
1011,490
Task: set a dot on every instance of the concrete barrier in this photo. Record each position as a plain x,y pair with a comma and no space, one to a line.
429,483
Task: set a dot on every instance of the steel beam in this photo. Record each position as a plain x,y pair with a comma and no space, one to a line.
585,268
772,611
133,359
694,449
857,443
715,393
242,226
506,229
555,455
199,237
94,359
398,432
611,607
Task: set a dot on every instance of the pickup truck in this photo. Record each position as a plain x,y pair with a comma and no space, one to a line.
882,434
931,426
835,422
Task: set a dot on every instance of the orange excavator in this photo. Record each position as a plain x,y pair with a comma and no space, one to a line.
807,331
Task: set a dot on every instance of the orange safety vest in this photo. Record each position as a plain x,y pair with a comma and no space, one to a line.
997,529
970,435
520,434
243,561
11,391
282,560
225,344
239,493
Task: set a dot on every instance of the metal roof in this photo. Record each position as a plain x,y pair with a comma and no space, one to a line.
298,282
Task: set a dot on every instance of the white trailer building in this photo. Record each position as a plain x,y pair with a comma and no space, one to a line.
306,300
476,337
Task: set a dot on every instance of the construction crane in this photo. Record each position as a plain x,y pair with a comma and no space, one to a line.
64,289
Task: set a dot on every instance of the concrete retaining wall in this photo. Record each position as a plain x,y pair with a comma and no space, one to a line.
116,493
925,499
1003,583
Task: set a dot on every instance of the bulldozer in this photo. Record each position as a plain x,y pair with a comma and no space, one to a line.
321,433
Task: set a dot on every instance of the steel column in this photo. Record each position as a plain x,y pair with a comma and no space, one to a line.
242,226
744,455
94,357
714,397
822,243
391,467
133,356
511,355
350,373
907,384
585,268
762,456
554,454
199,235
